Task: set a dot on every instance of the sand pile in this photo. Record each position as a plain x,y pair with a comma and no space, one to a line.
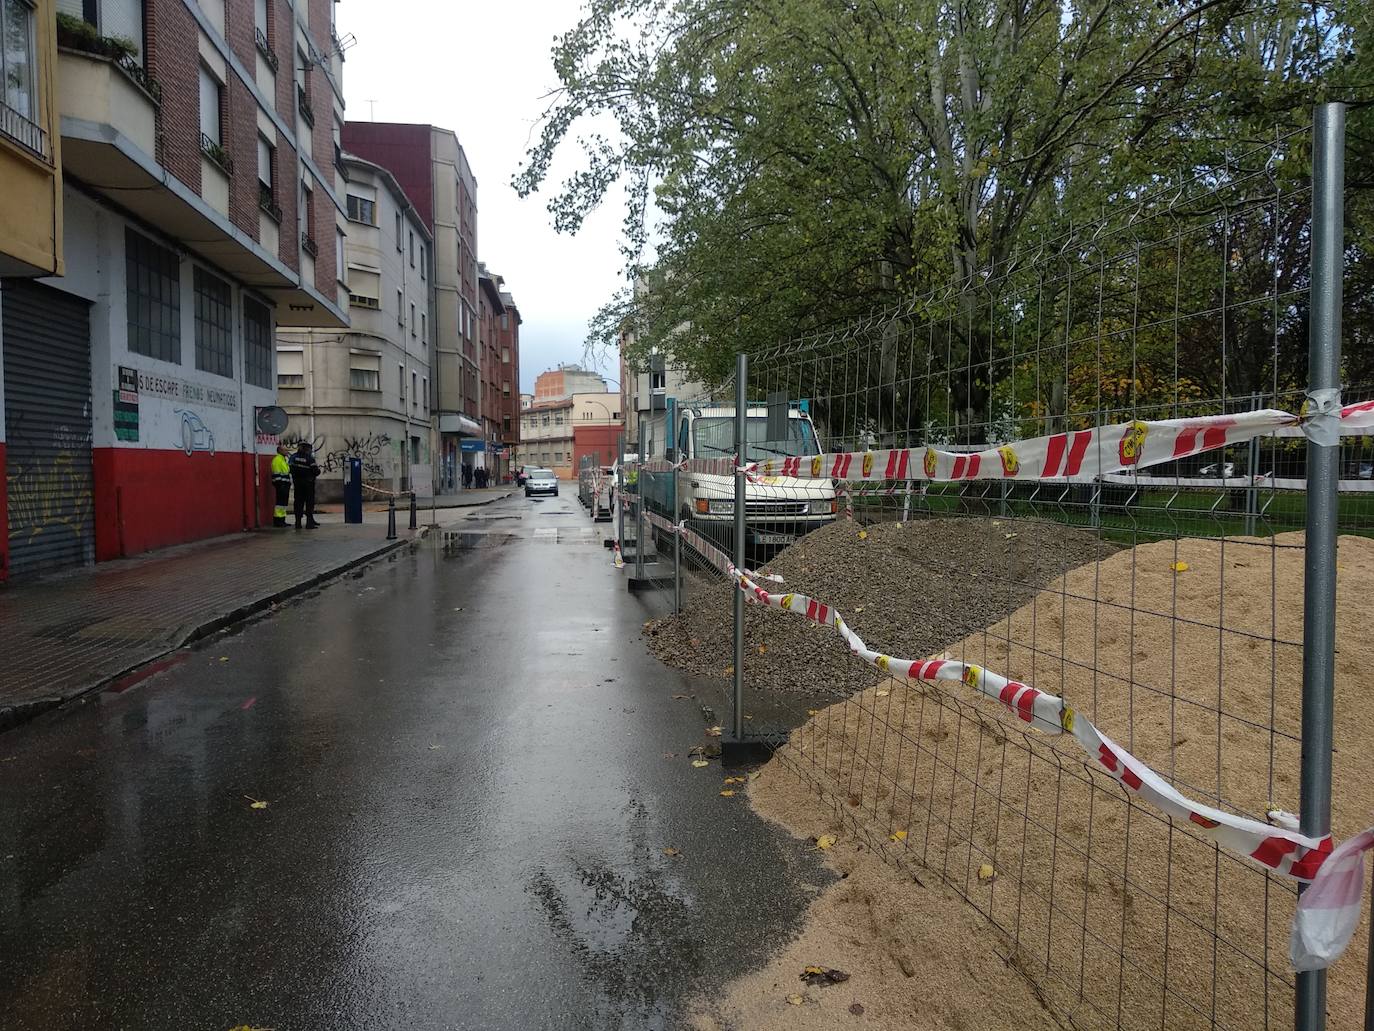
1118,918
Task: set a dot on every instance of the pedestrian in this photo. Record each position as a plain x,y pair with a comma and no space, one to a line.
480,474
304,470
281,483
467,476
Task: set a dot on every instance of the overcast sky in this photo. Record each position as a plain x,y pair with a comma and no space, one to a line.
480,69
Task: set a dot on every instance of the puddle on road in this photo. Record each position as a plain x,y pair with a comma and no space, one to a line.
454,541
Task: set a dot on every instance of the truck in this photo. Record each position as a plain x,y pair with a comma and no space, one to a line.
779,509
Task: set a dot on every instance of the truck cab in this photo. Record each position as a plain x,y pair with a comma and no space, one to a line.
779,509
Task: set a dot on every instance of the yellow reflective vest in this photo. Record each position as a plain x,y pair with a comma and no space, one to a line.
281,469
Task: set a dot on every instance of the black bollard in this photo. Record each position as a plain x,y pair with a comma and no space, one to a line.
414,525
391,518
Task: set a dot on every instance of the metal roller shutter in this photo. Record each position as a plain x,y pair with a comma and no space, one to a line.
47,353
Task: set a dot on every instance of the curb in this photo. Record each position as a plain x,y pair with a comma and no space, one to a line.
12,716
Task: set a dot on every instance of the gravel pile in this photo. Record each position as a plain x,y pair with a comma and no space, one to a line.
909,589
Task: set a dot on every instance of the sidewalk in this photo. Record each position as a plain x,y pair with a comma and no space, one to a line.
70,633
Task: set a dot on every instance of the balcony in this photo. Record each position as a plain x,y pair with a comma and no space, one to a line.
109,141
265,49
309,245
216,153
268,203
24,132
303,104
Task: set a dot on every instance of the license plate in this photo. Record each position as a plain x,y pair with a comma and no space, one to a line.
775,538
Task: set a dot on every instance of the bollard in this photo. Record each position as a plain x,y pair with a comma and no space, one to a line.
414,524
391,517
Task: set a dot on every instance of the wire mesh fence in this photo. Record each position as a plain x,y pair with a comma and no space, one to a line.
976,479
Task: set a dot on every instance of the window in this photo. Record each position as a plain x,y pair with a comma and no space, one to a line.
414,389
558,419
290,369
424,397
505,425
364,371
505,321
267,155
423,260
339,272
398,231
505,356
401,381
412,248
424,328
260,20
17,63
211,94
214,325
400,308
153,296
505,388
412,319
362,209
657,381
257,343
543,420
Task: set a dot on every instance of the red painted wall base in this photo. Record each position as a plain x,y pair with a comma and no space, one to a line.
148,499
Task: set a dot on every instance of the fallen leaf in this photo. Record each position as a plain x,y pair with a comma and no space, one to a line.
734,780
728,793
679,697
749,715
795,1000
763,649
863,535
754,775
899,526
1010,536
813,712
1179,567
858,608
670,851
224,658
699,763
986,873
897,836
823,976
856,1008
883,692
434,748
825,841
256,803
713,731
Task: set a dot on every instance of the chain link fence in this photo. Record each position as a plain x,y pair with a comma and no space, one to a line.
1068,485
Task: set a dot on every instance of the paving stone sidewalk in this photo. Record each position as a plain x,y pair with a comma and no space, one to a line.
70,633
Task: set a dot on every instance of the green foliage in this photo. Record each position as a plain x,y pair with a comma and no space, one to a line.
79,34
793,164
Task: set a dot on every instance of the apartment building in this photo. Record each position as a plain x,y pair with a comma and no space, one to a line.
200,206
499,348
365,393
432,168
553,430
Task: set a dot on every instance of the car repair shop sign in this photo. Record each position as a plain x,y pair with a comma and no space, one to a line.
126,405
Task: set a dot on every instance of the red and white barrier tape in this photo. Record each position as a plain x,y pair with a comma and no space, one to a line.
1076,457
1327,912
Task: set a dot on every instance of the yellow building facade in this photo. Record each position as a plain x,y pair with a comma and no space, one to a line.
30,141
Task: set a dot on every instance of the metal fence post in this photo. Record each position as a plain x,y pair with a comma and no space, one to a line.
741,440
1252,468
619,500
391,517
1319,585
670,439
639,506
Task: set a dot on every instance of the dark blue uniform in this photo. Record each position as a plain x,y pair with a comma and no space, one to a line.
304,469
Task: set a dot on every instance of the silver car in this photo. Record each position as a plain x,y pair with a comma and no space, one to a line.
540,481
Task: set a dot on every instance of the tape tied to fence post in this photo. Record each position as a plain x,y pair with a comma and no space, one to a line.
1321,417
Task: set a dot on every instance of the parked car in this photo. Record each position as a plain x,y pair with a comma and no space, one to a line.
540,481
1219,469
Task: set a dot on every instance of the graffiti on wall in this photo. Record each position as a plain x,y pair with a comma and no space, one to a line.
49,493
370,448
192,433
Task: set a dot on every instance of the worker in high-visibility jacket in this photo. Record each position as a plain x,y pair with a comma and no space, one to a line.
281,483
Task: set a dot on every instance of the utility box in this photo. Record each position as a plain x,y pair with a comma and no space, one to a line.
353,490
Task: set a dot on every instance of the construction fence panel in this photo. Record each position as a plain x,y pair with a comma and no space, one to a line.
1074,485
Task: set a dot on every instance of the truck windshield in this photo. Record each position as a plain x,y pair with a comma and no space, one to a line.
715,435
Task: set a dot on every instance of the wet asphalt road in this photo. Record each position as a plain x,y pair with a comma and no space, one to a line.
463,756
